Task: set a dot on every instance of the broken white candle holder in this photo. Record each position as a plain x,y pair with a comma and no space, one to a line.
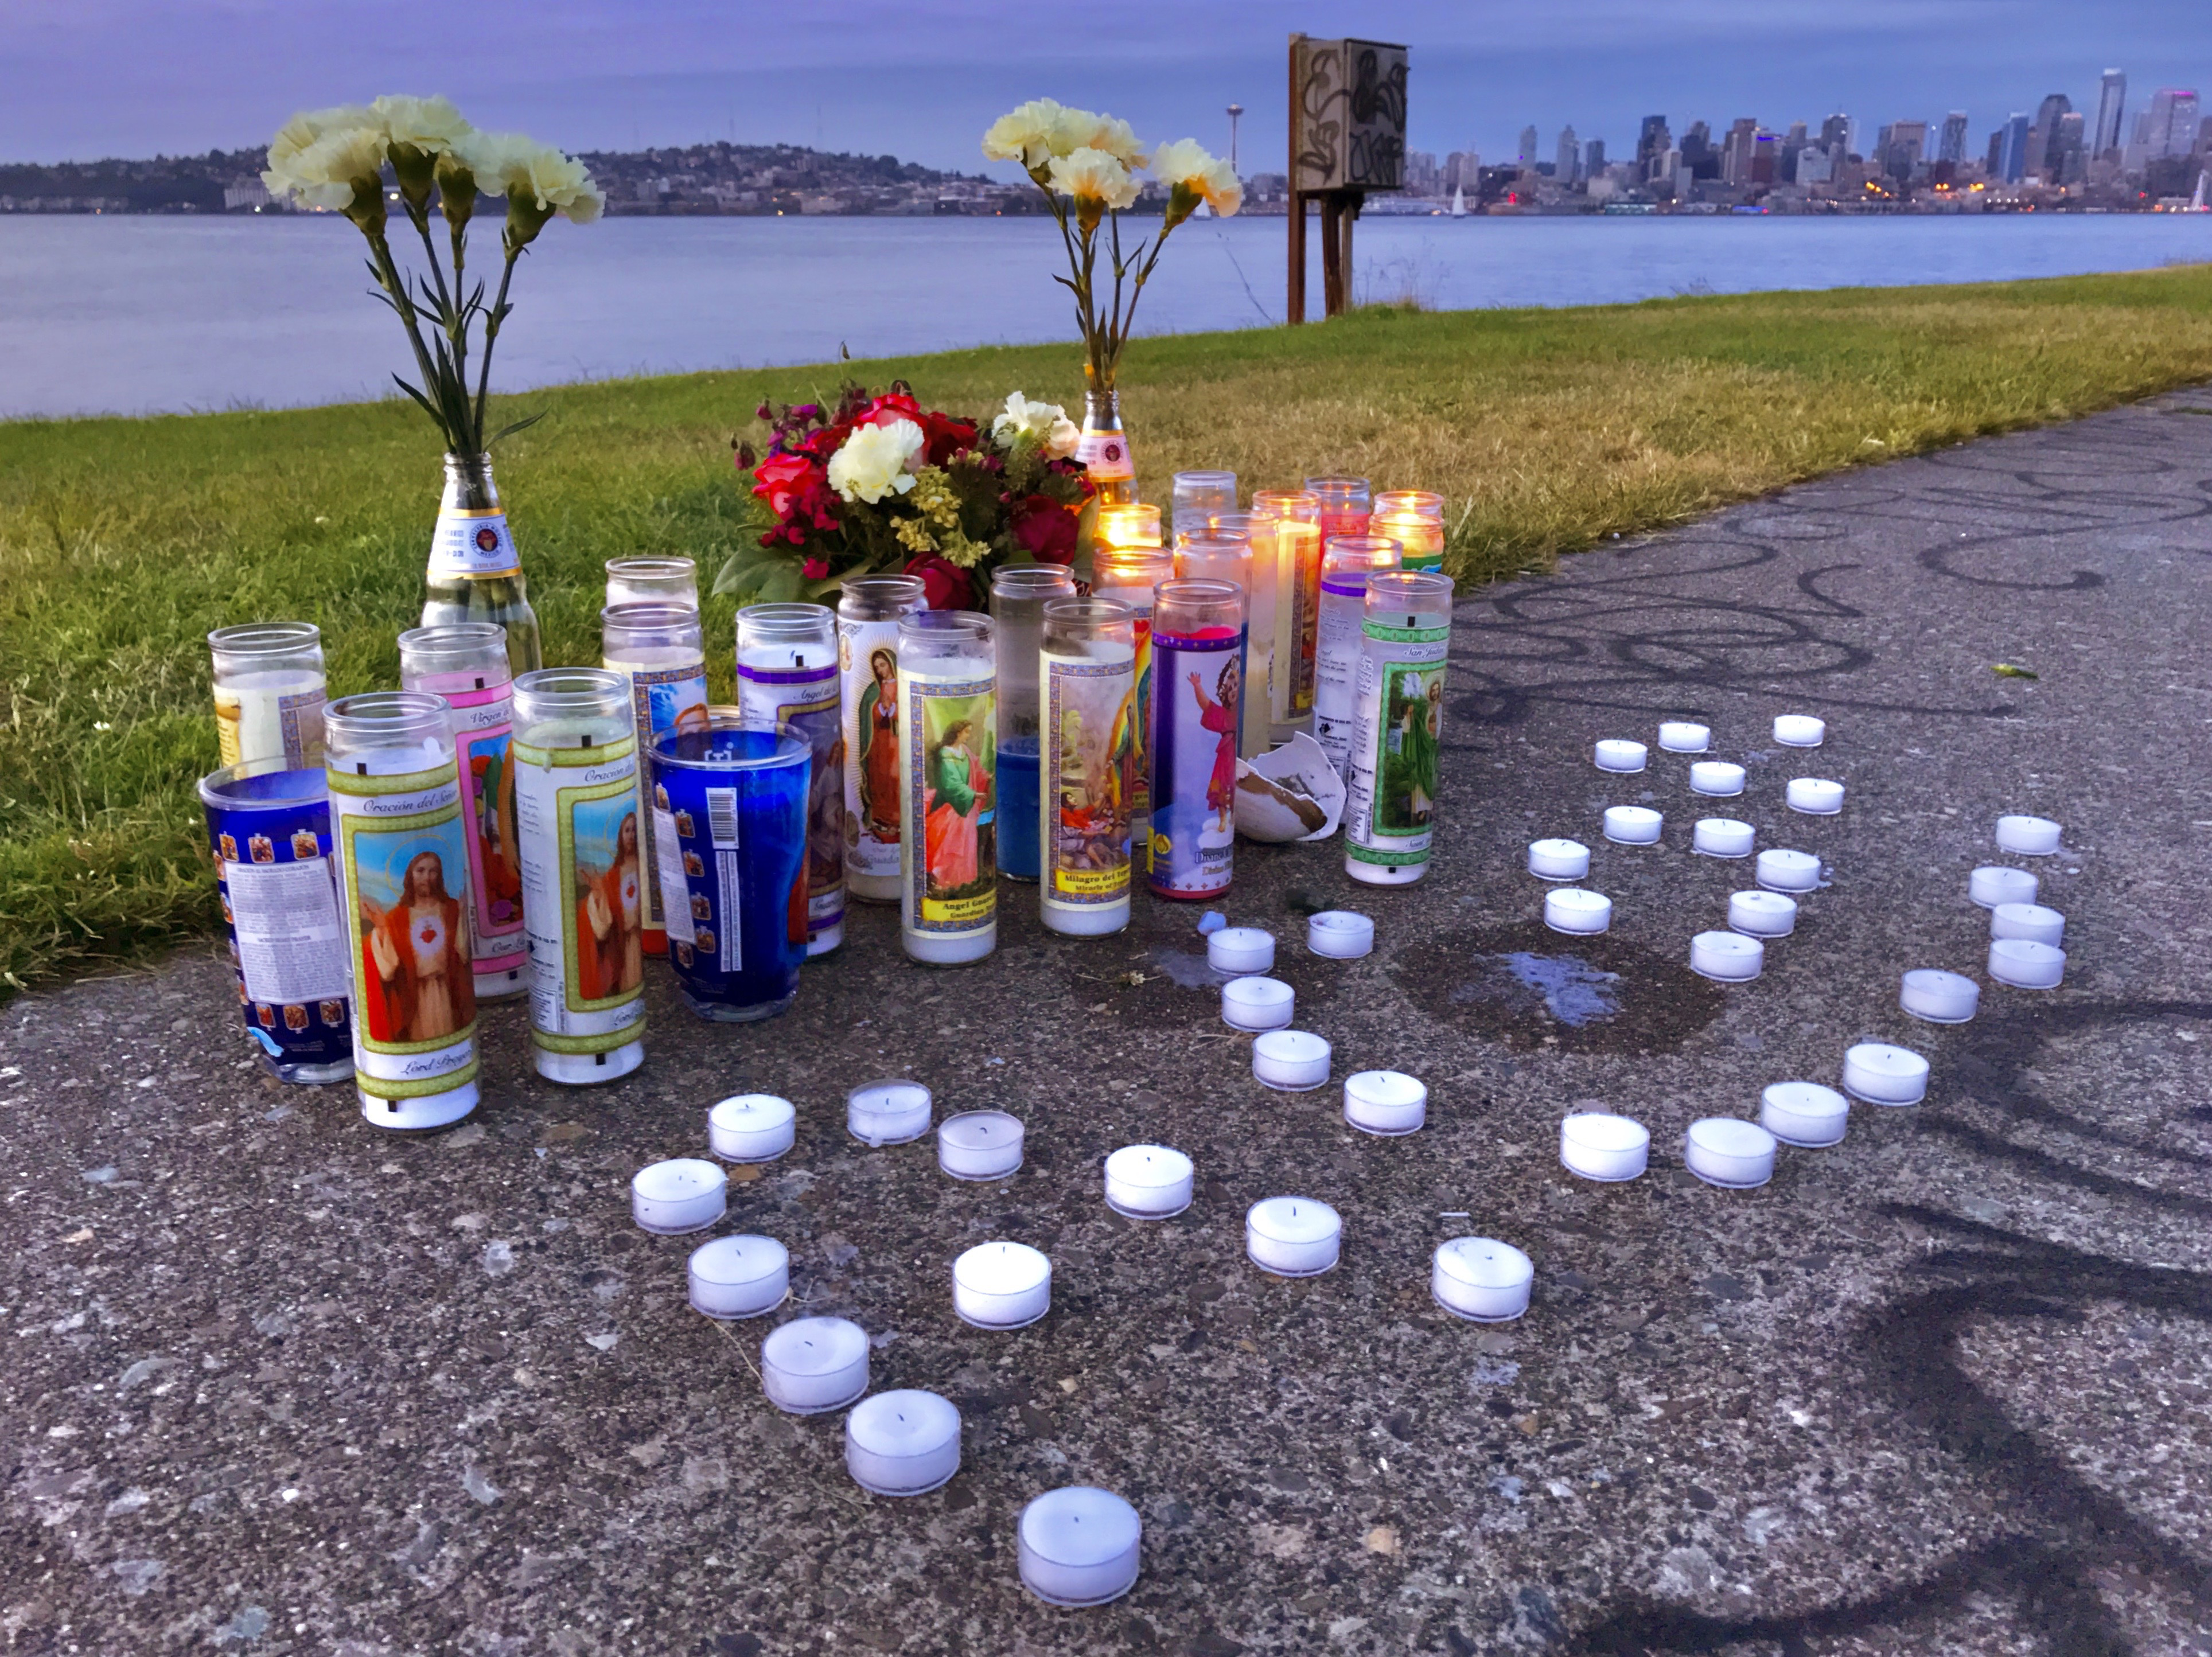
1481,1279
1721,779
1257,1004
979,1144
811,1366
1683,737
1762,914
1385,1102
1800,730
891,1112
1291,1061
1938,997
1993,883
1804,1114
1619,755
1148,1183
1632,825
1293,1236
1001,1285
1728,1152
2031,921
1574,910
684,1195
1240,949
740,1277
1558,859
1078,1545
2024,836
2025,964
1721,837
751,1128
1340,934
902,1443
1881,1074
1727,957
1814,797
1600,1145
1782,871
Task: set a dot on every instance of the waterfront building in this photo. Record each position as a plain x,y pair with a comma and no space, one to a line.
1736,151
1567,168
2009,149
1951,146
2172,127
1651,143
2112,93
1594,158
1528,157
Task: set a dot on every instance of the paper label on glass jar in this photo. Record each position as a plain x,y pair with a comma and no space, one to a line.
1105,455
1198,702
482,733
1336,668
950,862
1389,813
661,699
473,543
583,894
724,841
1087,758
809,702
668,863
271,716
867,655
291,947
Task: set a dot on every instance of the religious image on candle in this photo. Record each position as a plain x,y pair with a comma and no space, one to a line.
953,734
872,831
602,878
663,699
1200,698
813,713
487,775
409,882
1090,718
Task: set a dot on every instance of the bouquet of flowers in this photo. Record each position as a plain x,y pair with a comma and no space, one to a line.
879,484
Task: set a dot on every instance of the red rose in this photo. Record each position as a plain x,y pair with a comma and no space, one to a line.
781,477
1045,529
944,583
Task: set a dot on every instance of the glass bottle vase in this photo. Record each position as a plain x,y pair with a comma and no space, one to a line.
1104,448
475,572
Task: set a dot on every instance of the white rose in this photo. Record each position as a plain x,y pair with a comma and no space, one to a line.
1186,167
1024,134
430,125
874,461
1023,418
1092,175
1062,440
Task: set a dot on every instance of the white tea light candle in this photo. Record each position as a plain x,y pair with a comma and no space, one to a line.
979,1144
811,1366
891,1112
1340,934
1078,1546
686,1194
1682,736
902,1443
1815,796
1718,777
2023,836
1240,949
1385,1102
2031,921
1293,1236
1616,754
1001,1285
1881,1074
1291,1061
1572,910
751,1128
1736,1155
1148,1183
1632,825
1938,997
1721,837
1600,1145
1481,1279
1804,1114
2026,965
1762,914
1781,871
740,1277
1558,859
1727,957
1800,730
1257,1004
1993,883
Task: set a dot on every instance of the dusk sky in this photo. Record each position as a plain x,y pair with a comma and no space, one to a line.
88,78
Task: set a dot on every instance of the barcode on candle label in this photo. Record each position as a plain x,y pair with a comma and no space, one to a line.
726,871
722,817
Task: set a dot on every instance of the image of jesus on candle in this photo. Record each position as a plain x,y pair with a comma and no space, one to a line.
958,789
610,912
416,985
1219,714
1411,749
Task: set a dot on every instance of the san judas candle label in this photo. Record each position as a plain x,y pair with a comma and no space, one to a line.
260,722
403,881
583,892
950,775
809,700
1390,811
484,727
662,699
473,543
1105,456
1197,702
867,655
1089,754
284,915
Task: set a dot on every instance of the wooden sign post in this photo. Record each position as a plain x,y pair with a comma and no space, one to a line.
1347,137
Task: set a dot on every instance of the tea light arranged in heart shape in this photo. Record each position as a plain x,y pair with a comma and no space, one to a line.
1804,1114
2031,921
1632,825
1719,778
1240,949
2026,965
686,1194
1722,1150
1727,957
1257,1004
1938,997
1800,730
811,1366
1340,934
1148,1183
902,1443
2024,836
1291,1061
1815,796
1782,871
1993,883
1001,1285
740,1277
1576,911
1293,1236
1385,1102
1616,754
1683,737
1600,1145
1481,1279
1558,859
891,1112
751,1128
1721,837
979,1144
1884,1075
1078,1545
1762,914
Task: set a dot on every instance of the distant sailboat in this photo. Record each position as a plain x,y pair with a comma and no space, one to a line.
1459,199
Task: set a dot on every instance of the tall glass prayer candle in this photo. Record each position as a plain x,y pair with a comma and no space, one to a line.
1390,814
1132,576
1018,595
270,689
1293,519
466,663
584,868
1343,504
1258,572
1090,694
652,581
868,611
948,731
788,675
403,867
1346,561
1128,524
660,648
1199,495
1414,519
1198,631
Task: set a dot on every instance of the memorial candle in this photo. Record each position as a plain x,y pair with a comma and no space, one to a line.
1397,753
270,689
652,581
1132,576
948,746
1128,526
1346,561
661,652
1222,551
1198,496
1019,593
1346,503
1291,520
868,611
787,676
1088,667
1198,627
1415,519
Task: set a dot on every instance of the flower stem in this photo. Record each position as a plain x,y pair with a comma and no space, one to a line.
492,320
387,275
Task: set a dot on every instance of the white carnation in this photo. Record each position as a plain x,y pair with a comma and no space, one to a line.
1081,129
1092,175
522,169
430,125
1024,134
325,173
874,461
1187,166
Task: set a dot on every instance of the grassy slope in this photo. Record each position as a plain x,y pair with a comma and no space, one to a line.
122,542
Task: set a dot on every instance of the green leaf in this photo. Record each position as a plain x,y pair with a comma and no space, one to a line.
517,426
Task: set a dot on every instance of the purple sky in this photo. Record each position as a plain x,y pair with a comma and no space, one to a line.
86,78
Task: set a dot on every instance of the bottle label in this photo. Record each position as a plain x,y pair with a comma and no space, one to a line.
583,884
1199,701
255,723
1105,455
1390,812
661,699
473,543
1089,755
948,866
808,701
867,655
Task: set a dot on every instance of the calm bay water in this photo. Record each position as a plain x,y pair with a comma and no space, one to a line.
138,315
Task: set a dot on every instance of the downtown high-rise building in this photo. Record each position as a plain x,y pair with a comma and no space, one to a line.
1952,146
1651,143
1567,164
2111,96
2171,128
2010,147
1594,158
1528,142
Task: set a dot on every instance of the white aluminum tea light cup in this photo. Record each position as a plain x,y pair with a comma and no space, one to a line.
891,1112
1725,1151
1632,825
1257,1004
1001,1285
1558,859
1148,1183
1240,949
1804,1114
1385,1102
1293,1236
686,1194
811,1366
902,1443
979,1144
1993,883
1727,957
1340,934
740,1277
1481,1279
1800,730
1883,1075
1682,736
1938,997
1571,909
1762,914
2026,965
2029,920
2030,837
1618,754
1078,1546
1291,1061
1721,837
1599,1145
1815,796
751,1128
1781,871
1720,778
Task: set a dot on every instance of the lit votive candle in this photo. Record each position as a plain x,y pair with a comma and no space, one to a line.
1938,997
1293,1236
811,1366
1240,949
1993,883
1148,1183
1291,1061
1682,736
2032,837
2026,965
1804,1114
1256,1003
902,1443
751,1128
1735,1155
2029,920
1481,1279
1618,754
1340,934
1558,859
1815,796
1632,825
891,1112
1571,909
686,1194
1721,837
1727,957
979,1144
1762,914
1078,1546
1599,1145
1883,1075
1781,871
1001,1285
1385,1102
1719,778
740,1277
1800,730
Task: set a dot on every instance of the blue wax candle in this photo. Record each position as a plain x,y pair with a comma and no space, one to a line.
1019,856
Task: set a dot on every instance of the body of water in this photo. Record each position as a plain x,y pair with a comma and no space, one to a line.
143,314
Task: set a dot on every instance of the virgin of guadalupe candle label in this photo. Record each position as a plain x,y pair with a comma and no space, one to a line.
867,653
1199,701
260,716
952,736
1390,811
287,941
583,891
482,733
473,543
404,873
1089,747
809,702
662,699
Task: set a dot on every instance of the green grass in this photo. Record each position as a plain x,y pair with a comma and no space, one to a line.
122,542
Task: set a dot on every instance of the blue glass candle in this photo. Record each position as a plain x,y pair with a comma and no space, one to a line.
1019,593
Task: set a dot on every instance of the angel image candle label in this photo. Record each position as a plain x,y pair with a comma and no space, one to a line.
660,649
270,689
1396,755
1197,638
868,611
948,736
583,871
788,675
1090,705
